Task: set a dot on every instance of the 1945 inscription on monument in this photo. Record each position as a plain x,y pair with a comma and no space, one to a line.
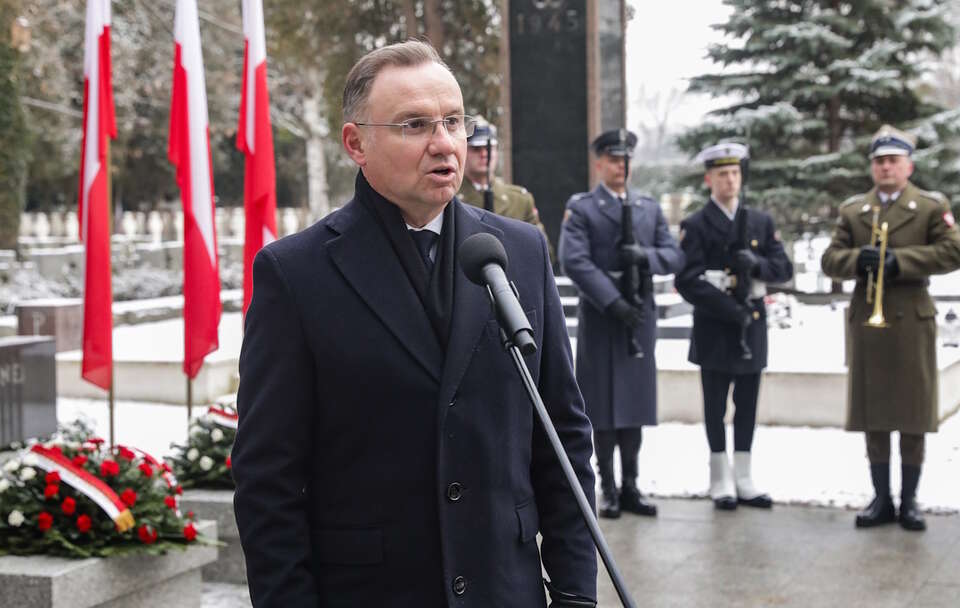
548,99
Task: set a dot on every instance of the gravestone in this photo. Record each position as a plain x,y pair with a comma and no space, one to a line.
61,318
28,388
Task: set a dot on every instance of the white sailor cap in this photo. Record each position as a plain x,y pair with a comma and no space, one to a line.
723,154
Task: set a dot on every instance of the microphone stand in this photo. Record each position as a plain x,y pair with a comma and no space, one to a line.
585,508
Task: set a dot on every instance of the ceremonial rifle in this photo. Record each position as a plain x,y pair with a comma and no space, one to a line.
743,282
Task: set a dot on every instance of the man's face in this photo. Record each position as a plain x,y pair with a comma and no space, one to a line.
418,174
890,173
724,182
610,171
476,168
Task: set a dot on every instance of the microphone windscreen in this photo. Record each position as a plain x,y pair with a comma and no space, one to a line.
477,251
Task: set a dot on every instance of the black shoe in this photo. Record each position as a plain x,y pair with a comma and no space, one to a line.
609,507
760,501
631,501
880,511
725,503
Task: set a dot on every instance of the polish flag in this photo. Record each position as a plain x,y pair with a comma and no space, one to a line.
255,140
93,206
189,152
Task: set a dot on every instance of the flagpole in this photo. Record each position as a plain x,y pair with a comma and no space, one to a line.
189,400
110,393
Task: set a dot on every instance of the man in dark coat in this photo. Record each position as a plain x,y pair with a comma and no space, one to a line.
387,454
620,390
709,240
892,370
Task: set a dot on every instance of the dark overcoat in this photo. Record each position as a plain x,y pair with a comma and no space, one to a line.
705,238
376,468
892,372
620,391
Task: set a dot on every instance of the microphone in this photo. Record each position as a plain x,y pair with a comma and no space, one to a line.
484,260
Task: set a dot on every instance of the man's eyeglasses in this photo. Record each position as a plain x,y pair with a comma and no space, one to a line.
456,125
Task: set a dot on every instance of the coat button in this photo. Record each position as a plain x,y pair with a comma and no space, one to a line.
454,492
459,585
453,401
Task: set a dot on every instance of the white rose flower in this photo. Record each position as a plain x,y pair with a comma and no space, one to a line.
27,473
16,445
4,485
206,463
16,519
216,435
11,465
30,459
193,454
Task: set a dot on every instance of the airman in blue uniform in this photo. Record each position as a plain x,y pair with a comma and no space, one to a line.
619,390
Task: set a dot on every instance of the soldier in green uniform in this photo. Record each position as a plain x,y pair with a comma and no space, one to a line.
508,200
892,378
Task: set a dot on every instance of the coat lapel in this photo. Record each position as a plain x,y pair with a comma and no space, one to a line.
865,209
364,256
718,221
900,211
471,307
607,204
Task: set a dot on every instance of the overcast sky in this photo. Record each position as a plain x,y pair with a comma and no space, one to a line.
666,45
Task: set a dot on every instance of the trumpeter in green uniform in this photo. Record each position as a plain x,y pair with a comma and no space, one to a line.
892,377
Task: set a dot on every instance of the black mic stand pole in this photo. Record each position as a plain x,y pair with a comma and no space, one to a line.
586,510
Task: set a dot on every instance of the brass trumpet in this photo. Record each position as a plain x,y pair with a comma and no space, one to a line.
877,319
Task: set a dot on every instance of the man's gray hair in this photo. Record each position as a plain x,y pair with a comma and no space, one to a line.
356,90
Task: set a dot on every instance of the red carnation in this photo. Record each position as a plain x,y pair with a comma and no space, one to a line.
125,452
96,440
68,506
44,521
79,460
50,491
166,468
178,490
190,515
146,469
129,497
228,463
170,501
52,478
109,468
84,523
147,534
190,533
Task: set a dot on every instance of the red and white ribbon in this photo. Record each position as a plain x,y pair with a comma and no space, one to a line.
223,417
163,469
86,483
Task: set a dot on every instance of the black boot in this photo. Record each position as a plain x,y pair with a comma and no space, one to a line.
880,510
609,506
631,501
609,503
910,516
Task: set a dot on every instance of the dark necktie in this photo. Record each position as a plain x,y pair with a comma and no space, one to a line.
425,239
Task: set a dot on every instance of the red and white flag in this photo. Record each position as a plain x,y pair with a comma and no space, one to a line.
255,140
93,208
189,151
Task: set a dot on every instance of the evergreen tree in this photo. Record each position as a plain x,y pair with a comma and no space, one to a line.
815,79
13,134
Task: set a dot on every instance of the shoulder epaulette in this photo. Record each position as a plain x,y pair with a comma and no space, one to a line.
939,197
856,198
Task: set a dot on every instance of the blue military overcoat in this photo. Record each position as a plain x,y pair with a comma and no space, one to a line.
619,391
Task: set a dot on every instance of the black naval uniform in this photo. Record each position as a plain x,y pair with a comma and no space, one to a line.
715,342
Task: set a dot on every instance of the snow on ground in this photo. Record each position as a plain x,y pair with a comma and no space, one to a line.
826,467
